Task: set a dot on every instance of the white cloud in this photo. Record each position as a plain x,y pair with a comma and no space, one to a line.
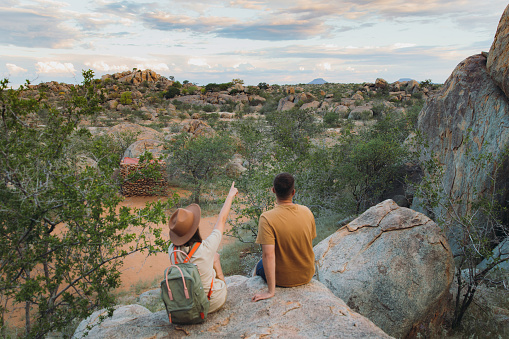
403,45
160,67
326,66
55,67
13,69
104,67
198,62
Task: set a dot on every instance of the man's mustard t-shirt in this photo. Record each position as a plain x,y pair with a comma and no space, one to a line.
291,228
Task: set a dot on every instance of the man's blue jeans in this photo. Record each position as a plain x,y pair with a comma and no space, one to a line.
260,271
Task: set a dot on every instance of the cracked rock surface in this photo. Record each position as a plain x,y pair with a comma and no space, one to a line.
392,265
308,311
468,119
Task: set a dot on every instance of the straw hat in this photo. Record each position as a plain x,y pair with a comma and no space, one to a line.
184,223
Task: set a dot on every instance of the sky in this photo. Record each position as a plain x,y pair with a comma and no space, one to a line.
277,41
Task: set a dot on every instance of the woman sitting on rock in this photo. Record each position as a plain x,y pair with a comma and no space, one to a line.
185,233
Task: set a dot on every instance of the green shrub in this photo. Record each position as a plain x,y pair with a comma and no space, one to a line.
417,95
331,119
263,85
225,86
126,98
171,93
212,87
255,102
208,108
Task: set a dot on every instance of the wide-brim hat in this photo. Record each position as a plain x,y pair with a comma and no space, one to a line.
184,223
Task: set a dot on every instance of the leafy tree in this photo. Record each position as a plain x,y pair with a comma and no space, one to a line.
198,159
370,168
61,233
263,85
171,93
292,130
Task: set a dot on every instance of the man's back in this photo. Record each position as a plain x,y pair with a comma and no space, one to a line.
291,228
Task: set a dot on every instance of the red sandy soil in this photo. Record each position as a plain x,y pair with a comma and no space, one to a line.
138,268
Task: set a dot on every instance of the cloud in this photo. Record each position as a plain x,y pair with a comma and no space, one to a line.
102,66
157,67
27,28
249,4
55,67
122,8
168,22
14,70
275,31
198,62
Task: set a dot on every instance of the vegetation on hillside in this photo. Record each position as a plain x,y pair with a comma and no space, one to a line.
347,145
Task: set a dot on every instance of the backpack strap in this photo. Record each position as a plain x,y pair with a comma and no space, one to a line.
170,295
188,255
210,291
191,252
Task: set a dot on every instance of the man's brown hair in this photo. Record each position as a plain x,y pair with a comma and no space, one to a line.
284,183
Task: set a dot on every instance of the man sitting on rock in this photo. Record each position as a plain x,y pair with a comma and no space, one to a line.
286,233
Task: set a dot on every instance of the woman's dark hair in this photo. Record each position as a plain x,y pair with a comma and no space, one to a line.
195,238
284,183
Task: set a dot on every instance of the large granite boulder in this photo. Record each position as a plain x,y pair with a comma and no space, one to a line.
391,265
464,122
501,254
498,59
139,147
141,132
309,311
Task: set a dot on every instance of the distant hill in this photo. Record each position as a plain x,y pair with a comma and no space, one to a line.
318,81
405,79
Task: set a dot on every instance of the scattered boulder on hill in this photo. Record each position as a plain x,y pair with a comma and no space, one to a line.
141,132
391,265
285,105
498,58
197,128
381,83
465,121
139,147
308,311
235,168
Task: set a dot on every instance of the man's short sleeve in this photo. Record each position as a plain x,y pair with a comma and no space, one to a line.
266,234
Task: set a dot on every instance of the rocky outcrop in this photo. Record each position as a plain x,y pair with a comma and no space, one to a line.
140,132
308,311
391,265
498,59
464,122
197,128
139,147
134,77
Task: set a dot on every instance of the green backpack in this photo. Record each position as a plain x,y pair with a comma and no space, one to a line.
183,294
